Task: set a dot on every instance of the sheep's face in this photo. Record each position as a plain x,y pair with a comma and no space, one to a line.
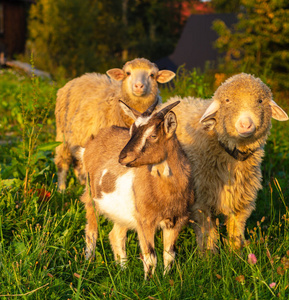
140,78
242,109
149,137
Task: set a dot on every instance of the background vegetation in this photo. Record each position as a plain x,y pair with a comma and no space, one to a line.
42,231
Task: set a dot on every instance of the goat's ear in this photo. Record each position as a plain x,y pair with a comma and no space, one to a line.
165,76
129,111
170,124
277,112
116,74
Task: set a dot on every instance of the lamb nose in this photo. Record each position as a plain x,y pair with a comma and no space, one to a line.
139,85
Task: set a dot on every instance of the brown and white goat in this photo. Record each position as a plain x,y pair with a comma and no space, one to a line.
140,179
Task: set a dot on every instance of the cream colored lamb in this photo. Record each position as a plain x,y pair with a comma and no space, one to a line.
224,139
91,102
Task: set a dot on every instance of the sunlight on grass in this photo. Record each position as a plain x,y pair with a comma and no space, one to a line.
42,246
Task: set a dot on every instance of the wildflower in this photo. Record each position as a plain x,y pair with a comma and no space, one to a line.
240,278
272,285
252,259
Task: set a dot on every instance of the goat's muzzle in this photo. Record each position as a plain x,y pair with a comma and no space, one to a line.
126,160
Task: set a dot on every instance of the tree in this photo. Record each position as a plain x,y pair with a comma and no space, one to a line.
77,36
225,6
259,42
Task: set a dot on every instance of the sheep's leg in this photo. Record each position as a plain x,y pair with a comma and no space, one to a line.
63,160
118,238
205,228
236,227
170,236
79,171
91,233
146,234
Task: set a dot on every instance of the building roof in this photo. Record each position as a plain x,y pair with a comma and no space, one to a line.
195,46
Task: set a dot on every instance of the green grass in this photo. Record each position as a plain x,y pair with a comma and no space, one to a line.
42,231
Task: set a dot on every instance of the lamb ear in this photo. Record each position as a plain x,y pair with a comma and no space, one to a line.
210,112
165,76
277,112
116,74
170,124
209,125
129,111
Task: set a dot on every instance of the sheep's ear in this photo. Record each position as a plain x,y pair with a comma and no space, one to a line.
170,124
129,111
165,76
277,112
116,74
210,113
209,125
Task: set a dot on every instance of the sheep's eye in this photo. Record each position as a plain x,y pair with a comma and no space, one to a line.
260,100
152,75
127,73
227,100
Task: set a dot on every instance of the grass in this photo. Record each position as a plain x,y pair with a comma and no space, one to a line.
42,231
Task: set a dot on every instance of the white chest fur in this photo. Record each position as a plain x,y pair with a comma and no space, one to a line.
119,205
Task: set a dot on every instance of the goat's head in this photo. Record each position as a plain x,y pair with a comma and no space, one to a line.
149,135
140,77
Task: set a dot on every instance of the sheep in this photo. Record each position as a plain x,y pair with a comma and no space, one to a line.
90,102
140,179
224,139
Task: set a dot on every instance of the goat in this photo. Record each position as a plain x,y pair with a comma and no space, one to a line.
140,179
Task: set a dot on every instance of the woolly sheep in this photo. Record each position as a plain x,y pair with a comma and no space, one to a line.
224,139
90,102
140,179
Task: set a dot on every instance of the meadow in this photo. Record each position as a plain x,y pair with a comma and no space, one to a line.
42,231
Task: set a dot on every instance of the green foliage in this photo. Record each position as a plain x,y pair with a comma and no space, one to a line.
42,231
69,38
61,35
224,6
188,83
259,42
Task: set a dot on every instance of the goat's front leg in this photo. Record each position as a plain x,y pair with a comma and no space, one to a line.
91,233
118,238
146,235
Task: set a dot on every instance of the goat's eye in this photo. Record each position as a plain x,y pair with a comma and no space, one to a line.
127,73
153,136
260,100
227,100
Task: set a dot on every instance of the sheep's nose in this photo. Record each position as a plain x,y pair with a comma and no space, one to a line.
139,85
246,123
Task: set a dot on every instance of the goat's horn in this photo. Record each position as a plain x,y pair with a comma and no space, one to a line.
164,111
150,110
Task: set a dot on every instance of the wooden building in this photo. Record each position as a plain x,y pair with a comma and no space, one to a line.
196,45
13,26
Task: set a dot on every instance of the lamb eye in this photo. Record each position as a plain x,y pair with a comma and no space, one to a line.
260,100
127,73
152,75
